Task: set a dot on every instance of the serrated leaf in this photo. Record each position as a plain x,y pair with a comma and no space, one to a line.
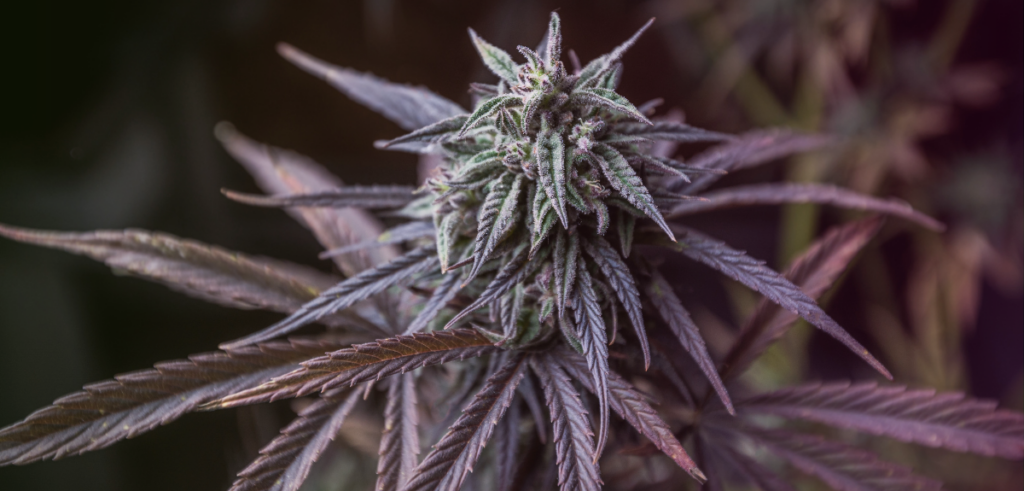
133,403
594,341
365,362
626,225
659,291
544,219
367,197
506,447
595,70
396,235
445,468
410,107
432,133
199,270
942,420
443,294
279,171
754,472
633,407
567,252
497,217
348,293
813,271
747,150
550,153
508,277
488,109
511,306
758,277
621,280
574,440
669,131
285,462
496,59
399,440
842,467
607,99
622,178
774,194
532,400
552,47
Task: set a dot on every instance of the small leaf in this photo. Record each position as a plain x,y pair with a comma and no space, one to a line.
488,109
367,197
430,134
595,71
607,99
347,293
511,306
196,269
774,194
408,106
622,178
755,275
447,235
659,291
453,457
399,440
543,221
942,420
594,340
285,462
443,294
405,232
574,440
620,278
365,362
497,217
626,224
553,47
133,403
567,252
669,131
508,277
550,153
497,60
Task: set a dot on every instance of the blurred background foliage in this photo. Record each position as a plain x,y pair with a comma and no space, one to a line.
106,116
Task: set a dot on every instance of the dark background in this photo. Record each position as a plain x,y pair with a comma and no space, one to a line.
107,111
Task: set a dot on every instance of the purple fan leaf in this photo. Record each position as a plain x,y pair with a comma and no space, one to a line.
399,441
366,197
621,280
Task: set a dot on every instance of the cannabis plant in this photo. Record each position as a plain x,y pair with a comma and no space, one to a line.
501,289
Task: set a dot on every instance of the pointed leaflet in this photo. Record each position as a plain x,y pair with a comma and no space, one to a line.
368,197
199,270
285,462
627,183
399,441
773,194
594,341
134,403
758,277
529,393
443,294
436,132
365,362
453,457
607,99
543,220
593,73
280,171
506,447
508,277
347,293
550,154
497,60
574,440
408,106
497,217
942,420
488,108
668,131
621,280
511,306
567,251
552,46
736,461
396,235
745,151
814,271
633,407
842,467
626,224
659,291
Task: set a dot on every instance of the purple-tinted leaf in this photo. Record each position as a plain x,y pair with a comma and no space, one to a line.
365,362
813,271
439,131
748,150
134,403
497,217
532,399
443,294
508,277
408,106
621,280
750,469
574,440
607,99
199,270
506,447
453,457
285,462
758,277
669,131
944,420
368,197
396,235
633,407
841,466
567,253
622,178
280,171
594,341
399,441
773,194
596,70
659,291
496,59
348,293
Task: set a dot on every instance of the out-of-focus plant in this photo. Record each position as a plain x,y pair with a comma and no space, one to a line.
513,237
